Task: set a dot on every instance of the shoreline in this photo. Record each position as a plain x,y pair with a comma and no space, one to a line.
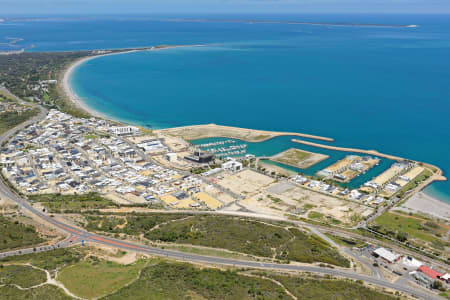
421,202
78,102
71,95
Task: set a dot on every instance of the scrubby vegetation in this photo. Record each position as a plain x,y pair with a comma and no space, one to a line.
231,233
82,278
43,292
14,234
20,73
72,203
183,281
310,288
414,229
131,224
310,248
157,278
23,276
11,119
49,260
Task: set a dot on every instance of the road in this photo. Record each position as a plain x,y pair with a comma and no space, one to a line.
76,234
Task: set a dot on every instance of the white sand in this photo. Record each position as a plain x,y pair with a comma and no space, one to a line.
79,102
421,202
72,95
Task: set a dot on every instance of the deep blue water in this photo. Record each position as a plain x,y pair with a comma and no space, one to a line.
367,87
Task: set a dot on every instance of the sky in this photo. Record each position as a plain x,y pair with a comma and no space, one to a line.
104,7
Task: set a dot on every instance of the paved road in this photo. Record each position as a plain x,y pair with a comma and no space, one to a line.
78,234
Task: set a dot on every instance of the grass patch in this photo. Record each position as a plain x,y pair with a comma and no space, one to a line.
240,235
72,203
315,288
261,137
43,292
83,277
10,120
415,182
184,281
310,248
23,276
135,224
16,235
349,242
315,215
411,228
210,252
49,260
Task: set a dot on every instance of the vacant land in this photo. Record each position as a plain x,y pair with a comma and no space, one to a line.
166,280
129,224
230,233
23,276
49,260
415,229
82,278
72,203
9,120
14,234
43,292
299,158
183,281
317,288
91,277
196,132
281,198
246,182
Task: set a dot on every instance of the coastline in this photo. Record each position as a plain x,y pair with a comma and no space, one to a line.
78,102
422,202
71,95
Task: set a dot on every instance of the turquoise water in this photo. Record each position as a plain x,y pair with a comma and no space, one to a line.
368,87
273,146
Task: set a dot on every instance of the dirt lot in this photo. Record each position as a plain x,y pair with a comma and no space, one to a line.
281,198
246,183
212,130
299,158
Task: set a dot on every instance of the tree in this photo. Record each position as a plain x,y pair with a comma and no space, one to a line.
402,236
437,284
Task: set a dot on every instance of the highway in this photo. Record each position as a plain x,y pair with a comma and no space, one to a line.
76,235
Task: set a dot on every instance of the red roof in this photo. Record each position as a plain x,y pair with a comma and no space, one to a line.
429,272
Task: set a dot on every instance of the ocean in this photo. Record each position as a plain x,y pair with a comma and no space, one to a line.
368,87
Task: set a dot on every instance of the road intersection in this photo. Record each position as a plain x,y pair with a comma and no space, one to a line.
76,235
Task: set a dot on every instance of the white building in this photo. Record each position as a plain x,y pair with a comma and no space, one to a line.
387,255
232,165
171,157
124,130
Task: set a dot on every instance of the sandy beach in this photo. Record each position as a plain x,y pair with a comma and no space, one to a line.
72,95
421,202
68,73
